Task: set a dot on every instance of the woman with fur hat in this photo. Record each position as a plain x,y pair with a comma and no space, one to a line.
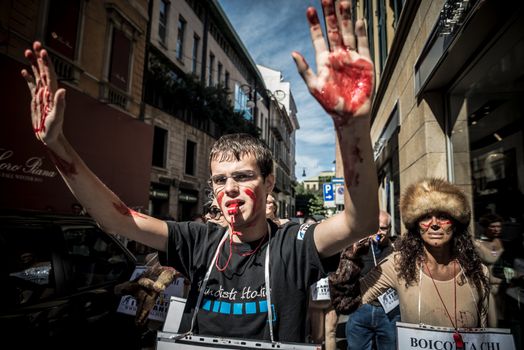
435,269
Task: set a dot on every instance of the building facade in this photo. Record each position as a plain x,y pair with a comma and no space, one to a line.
193,39
278,128
98,49
449,82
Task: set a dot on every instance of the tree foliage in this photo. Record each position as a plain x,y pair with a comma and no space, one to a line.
178,94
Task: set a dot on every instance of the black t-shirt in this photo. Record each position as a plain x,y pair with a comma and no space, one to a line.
234,303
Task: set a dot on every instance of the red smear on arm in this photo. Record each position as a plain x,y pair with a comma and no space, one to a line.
66,168
126,211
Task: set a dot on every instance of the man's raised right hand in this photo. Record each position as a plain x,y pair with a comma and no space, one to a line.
47,101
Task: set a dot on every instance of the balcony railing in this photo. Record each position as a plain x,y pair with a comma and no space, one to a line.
113,95
65,69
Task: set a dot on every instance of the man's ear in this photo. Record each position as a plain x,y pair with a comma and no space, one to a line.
269,182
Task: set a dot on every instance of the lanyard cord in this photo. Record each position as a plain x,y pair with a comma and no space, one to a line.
455,325
373,251
208,273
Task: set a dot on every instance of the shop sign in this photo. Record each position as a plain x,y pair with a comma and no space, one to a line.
160,194
29,170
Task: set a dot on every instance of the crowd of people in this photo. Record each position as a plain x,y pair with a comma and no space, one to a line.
250,272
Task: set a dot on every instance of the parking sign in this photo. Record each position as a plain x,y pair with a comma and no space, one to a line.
329,195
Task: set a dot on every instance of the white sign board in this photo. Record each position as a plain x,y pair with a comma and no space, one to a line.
339,193
128,304
418,337
320,290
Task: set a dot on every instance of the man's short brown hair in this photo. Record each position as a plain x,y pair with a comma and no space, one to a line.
236,146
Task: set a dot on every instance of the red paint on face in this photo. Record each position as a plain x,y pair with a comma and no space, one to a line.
312,17
349,82
220,196
66,168
425,226
249,192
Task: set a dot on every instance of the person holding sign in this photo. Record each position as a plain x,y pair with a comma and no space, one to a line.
374,322
250,279
438,275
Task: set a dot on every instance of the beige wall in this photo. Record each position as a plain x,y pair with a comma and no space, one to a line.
422,143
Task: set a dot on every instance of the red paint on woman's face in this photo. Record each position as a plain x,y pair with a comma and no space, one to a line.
349,85
66,168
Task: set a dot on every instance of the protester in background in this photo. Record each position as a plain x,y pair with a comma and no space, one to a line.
435,269
241,177
272,210
214,214
490,248
373,323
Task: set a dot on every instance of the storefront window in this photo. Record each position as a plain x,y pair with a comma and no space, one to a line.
487,135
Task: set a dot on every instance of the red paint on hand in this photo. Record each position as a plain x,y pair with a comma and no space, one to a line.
312,16
41,104
66,168
349,85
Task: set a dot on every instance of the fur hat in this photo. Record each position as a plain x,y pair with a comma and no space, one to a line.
434,195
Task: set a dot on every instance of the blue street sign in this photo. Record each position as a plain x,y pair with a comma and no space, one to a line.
328,192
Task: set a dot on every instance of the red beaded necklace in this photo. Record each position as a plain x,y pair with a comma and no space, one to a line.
457,337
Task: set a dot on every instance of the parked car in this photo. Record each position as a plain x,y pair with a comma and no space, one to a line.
57,279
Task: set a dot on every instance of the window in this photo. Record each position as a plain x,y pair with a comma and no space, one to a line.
226,80
180,38
160,147
382,33
241,99
62,26
219,73
162,22
28,262
368,14
120,60
211,64
196,44
397,10
190,157
96,258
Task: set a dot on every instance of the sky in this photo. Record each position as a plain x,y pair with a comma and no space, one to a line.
271,30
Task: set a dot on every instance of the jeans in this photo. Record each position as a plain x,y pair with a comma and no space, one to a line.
371,325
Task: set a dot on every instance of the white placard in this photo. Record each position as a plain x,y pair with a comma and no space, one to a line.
416,337
320,290
389,300
128,304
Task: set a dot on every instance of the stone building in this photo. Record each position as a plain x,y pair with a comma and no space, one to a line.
449,82
98,50
193,39
279,128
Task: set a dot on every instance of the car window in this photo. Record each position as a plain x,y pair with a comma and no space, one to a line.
95,257
29,270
